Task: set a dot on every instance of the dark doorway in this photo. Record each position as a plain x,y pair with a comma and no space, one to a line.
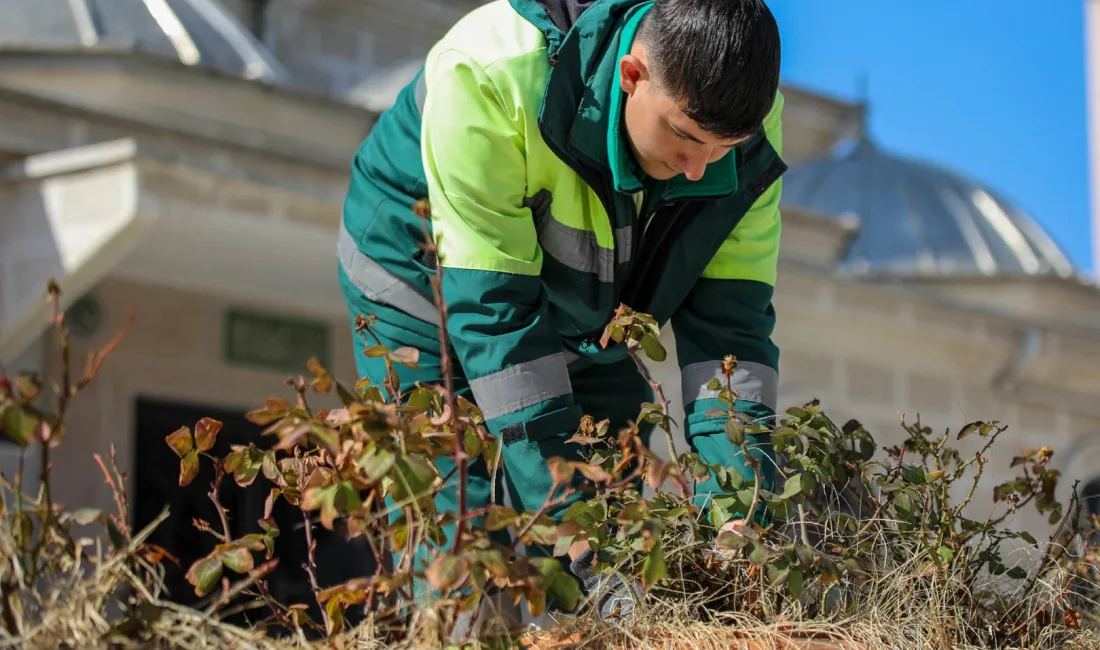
156,485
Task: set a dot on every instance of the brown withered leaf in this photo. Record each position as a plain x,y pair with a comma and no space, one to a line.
561,470
593,473
274,408
408,357
180,441
1072,619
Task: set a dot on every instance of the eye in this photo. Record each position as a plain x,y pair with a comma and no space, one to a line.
678,134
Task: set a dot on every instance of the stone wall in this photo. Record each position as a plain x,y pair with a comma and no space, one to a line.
871,355
173,351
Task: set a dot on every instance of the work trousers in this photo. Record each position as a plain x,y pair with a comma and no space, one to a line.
605,391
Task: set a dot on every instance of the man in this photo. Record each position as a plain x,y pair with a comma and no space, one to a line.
579,154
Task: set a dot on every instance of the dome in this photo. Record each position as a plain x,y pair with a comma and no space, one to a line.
195,32
917,219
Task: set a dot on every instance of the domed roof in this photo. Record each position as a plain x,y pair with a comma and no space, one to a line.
195,32
919,219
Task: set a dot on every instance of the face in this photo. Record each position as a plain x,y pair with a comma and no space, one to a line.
665,141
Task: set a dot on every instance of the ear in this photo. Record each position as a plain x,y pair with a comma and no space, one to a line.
632,71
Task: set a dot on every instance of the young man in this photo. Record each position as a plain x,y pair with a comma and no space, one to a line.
579,154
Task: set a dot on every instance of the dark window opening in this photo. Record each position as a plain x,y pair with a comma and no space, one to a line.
156,485
1090,497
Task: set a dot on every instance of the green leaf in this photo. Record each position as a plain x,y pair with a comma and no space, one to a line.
759,555
796,582
584,514
377,462
189,467
721,509
903,504
793,486
714,384
1017,573
566,591
914,475
809,482
1028,537
653,348
206,433
375,351
500,517
866,449
237,559
204,575
946,554
735,431
18,423
85,516
653,569
561,547
418,477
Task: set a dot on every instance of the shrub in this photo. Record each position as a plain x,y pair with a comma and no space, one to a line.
861,542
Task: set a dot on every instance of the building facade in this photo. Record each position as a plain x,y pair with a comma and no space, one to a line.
187,159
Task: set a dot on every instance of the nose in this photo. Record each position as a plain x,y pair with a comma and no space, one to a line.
693,165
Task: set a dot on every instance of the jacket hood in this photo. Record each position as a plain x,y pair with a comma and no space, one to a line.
564,13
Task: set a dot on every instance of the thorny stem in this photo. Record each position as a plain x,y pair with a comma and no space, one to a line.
461,460
311,561
659,391
222,515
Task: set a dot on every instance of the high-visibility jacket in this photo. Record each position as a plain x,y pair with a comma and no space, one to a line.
544,224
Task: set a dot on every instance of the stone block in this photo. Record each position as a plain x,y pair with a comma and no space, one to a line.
930,395
869,383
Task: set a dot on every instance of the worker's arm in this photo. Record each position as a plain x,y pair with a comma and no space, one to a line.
473,149
729,312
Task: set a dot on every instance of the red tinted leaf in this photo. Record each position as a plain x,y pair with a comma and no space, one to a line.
206,433
446,571
180,441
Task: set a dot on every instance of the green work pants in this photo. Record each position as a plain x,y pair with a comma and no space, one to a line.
612,391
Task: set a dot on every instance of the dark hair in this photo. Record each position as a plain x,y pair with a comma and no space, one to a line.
720,58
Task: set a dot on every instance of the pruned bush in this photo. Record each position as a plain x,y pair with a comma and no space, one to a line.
860,542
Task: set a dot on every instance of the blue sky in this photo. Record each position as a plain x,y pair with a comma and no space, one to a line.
995,90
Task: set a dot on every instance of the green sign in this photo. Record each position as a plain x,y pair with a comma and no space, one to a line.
274,342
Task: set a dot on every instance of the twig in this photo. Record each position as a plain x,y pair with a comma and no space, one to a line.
225,536
311,556
461,460
660,393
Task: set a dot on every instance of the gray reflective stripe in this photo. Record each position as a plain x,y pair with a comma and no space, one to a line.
521,385
421,92
624,243
380,285
576,248
755,381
